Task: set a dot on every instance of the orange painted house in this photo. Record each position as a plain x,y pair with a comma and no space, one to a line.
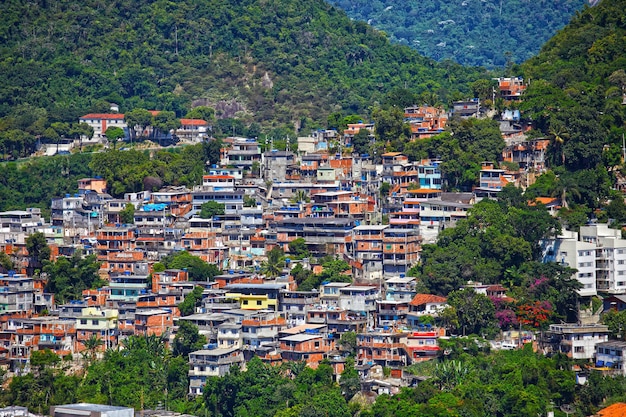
309,347
153,322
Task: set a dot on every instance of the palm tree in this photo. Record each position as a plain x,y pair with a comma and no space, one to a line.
559,135
300,197
566,185
92,344
274,264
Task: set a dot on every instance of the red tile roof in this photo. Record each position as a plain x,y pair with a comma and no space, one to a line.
106,116
421,299
546,200
193,122
617,409
218,177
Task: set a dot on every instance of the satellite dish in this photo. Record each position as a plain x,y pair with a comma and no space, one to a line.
568,409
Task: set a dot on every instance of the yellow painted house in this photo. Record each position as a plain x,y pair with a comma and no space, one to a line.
255,296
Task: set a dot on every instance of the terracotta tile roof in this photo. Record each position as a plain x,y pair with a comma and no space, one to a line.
615,410
421,299
546,200
218,177
106,116
193,122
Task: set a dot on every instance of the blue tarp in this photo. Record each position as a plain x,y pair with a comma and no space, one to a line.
154,207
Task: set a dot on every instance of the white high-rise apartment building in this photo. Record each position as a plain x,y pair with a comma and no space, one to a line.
567,250
610,257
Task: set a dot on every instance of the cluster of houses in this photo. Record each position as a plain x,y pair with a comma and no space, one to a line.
271,198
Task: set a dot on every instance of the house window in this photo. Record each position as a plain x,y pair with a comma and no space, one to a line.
245,302
579,349
259,302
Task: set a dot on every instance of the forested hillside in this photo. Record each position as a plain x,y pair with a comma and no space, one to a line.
487,33
287,61
577,86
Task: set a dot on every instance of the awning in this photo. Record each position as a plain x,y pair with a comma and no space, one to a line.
609,364
599,363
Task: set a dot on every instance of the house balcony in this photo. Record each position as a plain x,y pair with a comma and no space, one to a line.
379,345
208,371
393,312
369,256
359,237
382,357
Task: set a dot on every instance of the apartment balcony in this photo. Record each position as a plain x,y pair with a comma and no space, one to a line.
383,357
379,345
229,336
369,256
360,237
393,312
104,237
316,320
208,371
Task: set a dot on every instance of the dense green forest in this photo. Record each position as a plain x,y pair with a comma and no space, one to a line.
279,62
575,98
34,182
487,33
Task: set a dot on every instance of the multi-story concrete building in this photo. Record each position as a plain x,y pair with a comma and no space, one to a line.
261,332
400,288
610,355
360,299
382,348
610,257
276,164
323,235
255,296
367,249
100,122
98,323
243,153
229,335
425,121
311,346
155,321
575,340
424,305
568,250
192,130
391,313
16,293
128,287
294,305
210,362
17,225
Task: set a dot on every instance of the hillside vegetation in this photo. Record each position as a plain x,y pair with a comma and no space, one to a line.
488,33
284,61
577,86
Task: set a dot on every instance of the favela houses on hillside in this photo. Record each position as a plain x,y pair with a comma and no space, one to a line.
405,238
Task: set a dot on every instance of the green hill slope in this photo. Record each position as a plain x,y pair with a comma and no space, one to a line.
473,32
577,82
288,61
